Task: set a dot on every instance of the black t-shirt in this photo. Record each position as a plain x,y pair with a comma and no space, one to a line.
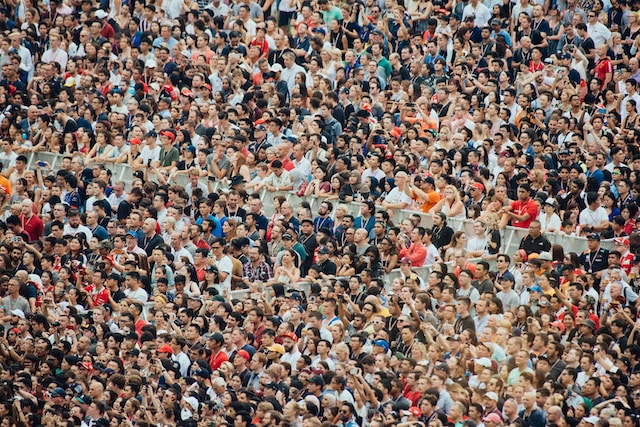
587,46
328,268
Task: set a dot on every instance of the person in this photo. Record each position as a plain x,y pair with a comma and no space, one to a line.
109,319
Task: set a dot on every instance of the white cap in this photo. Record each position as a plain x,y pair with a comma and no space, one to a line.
101,14
18,312
192,401
483,361
151,63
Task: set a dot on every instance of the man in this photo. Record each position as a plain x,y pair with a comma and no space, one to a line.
280,179
323,220
535,241
324,264
482,280
31,224
595,217
416,252
397,198
510,299
522,211
594,259
442,233
530,415
151,239
224,265
257,268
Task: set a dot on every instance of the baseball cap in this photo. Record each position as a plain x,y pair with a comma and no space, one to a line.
545,256
508,276
621,241
58,392
290,335
165,349
244,354
323,250
491,395
382,343
277,348
594,236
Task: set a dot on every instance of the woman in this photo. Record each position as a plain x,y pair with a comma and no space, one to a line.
458,241
609,202
549,219
631,121
451,205
631,32
337,36
239,166
318,186
229,229
286,273
337,182
277,203
388,255
347,268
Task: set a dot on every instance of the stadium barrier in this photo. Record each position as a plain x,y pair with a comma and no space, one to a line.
511,236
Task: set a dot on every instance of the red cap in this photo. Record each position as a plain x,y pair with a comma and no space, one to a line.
186,92
165,349
558,324
621,241
291,335
207,85
415,411
168,134
87,366
135,141
244,354
478,185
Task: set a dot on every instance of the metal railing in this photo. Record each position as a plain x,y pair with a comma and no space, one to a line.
511,236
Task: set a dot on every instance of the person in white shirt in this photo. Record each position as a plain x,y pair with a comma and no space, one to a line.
479,10
595,216
397,197
223,264
597,30
55,54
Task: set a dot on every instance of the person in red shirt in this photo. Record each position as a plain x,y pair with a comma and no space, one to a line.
621,244
522,211
98,293
416,252
604,67
31,224
218,356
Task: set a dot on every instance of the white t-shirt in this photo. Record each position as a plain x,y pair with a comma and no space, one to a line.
225,265
397,196
593,218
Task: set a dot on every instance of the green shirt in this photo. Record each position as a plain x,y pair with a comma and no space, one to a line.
329,15
166,159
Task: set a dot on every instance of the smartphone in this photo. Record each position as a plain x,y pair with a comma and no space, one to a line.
354,371
42,164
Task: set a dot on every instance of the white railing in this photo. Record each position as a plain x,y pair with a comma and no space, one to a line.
511,236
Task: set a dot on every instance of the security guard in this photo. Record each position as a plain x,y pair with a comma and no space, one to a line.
594,260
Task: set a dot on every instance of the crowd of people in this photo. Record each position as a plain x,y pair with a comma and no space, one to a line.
178,299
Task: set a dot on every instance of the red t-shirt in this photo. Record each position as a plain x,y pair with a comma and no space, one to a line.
216,360
520,208
98,297
603,67
32,226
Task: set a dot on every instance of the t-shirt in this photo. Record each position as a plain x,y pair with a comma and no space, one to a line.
520,208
